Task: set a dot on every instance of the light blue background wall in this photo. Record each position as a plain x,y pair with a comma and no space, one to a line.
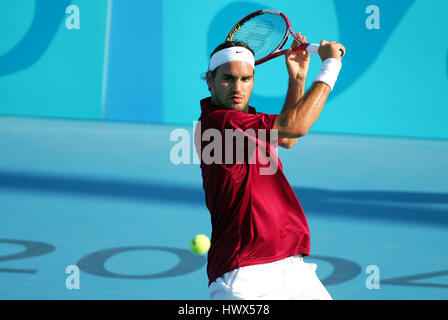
142,61
45,69
134,74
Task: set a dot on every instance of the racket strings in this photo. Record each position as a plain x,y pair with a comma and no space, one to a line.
262,34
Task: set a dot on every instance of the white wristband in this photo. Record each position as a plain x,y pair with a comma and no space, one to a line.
329,72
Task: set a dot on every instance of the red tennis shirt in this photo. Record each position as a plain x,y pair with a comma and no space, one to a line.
256,217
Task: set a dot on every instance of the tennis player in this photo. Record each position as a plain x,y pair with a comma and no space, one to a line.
260,234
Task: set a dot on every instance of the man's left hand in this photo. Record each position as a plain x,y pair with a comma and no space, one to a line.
297,62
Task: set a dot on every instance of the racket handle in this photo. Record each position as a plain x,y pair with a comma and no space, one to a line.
314,48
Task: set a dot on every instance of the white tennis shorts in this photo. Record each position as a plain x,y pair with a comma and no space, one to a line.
286,279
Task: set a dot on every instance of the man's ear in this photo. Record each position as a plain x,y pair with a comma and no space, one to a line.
209,79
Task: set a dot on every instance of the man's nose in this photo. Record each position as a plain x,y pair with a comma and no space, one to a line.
236,86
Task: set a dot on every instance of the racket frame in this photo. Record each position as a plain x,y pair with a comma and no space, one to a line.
310,47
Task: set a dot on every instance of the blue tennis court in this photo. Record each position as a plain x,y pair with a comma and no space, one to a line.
92,205
105,196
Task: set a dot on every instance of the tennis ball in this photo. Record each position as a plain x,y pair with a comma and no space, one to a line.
200,244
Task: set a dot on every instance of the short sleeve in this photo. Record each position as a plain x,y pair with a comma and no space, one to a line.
252,122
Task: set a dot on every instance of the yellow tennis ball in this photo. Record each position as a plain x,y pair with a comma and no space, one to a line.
200,244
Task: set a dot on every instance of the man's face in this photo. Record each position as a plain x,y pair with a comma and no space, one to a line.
232,85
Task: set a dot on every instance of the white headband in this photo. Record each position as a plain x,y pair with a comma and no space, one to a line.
231,54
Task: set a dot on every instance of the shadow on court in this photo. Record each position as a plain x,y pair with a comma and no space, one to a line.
427,208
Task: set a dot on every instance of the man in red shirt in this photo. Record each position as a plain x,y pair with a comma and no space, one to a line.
259,230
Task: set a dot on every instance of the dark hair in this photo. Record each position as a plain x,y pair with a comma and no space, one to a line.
228,44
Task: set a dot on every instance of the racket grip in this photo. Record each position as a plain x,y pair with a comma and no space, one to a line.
313,48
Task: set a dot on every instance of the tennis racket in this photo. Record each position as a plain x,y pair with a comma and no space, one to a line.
266,32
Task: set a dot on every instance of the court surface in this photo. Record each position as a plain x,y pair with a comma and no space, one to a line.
105,196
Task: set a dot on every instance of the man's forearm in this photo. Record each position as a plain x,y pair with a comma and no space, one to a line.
303,114
296,90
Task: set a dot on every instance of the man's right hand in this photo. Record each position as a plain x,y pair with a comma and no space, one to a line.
330,49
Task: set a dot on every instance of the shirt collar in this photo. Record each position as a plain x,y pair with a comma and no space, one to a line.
207,106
